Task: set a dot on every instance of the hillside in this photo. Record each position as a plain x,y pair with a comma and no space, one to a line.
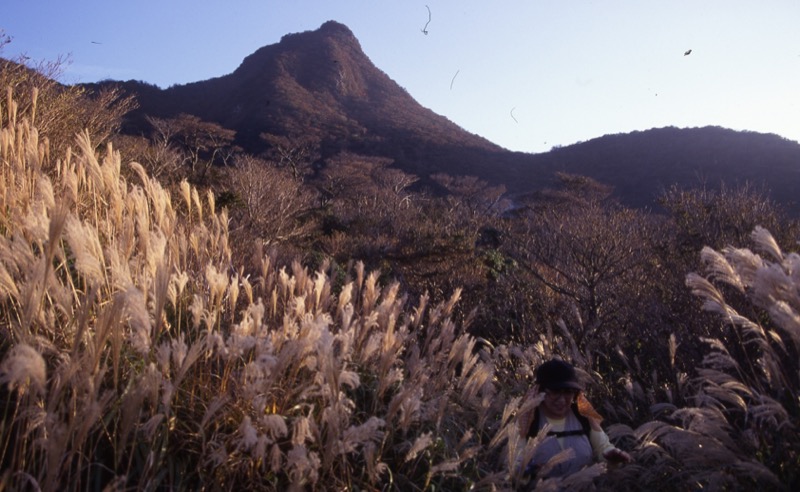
641,164
321,83
160,367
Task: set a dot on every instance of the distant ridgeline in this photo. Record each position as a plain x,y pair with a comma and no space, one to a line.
321,83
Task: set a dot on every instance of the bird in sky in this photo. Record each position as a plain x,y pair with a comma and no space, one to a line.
425,29
687,52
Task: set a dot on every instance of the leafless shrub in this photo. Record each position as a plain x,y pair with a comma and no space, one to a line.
269,202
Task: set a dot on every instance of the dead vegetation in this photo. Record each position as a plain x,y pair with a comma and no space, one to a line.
138,352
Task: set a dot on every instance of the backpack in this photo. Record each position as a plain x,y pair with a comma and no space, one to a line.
586,427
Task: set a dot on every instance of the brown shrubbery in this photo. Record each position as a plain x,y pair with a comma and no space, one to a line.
140,349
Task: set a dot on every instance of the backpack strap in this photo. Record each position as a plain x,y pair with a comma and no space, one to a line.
580,432
586,426
534,427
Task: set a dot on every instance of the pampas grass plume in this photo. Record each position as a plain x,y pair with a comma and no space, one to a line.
24,368
766,243
249,435
138,320
186,193
275,425
85,245
7,285
420,444
197,204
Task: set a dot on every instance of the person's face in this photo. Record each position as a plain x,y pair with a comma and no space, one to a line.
557,402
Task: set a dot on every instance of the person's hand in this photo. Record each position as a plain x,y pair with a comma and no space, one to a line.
616,456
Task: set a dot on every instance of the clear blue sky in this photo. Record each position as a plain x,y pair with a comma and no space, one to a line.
526,74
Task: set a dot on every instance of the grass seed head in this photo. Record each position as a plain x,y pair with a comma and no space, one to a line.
24,369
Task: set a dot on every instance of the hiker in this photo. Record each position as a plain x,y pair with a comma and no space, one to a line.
574,424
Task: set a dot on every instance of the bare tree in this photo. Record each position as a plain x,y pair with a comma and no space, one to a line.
296,152
470,205
472,195
719,217
163,162
365,186
593,259
194,143
272,205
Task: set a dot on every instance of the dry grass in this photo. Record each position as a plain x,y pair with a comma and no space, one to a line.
137,355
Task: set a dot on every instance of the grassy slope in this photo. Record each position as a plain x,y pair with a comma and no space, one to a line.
136,355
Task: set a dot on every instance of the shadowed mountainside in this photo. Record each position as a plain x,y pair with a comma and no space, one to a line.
641,164
320,83
317,83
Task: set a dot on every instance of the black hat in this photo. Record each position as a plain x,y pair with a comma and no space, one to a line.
557,374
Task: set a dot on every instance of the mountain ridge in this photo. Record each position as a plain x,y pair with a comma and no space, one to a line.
321,83
320,78
701,156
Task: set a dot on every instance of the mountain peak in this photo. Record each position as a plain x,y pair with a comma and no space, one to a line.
323,76
320,83
329,31
337,28
324,66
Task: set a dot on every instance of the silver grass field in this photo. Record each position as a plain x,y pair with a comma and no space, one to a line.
136,355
